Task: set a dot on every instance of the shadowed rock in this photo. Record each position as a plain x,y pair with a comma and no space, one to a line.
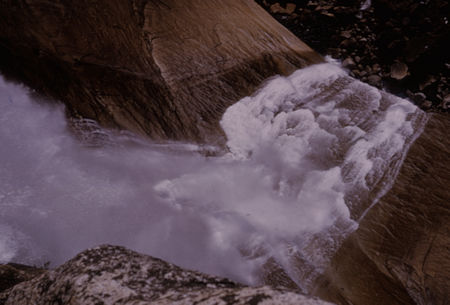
166,69
12,274
401,252
115,275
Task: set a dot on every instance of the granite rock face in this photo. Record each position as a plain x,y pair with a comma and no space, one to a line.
165,69
115,275
401,252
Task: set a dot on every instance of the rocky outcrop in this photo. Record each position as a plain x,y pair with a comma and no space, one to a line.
166,69
115,275
401,252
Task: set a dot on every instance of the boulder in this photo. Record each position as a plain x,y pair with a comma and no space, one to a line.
115,275
399,70
400,253
278,9
164,69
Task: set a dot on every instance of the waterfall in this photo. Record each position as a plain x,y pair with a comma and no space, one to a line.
306,156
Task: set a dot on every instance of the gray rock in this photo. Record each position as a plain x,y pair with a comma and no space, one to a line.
115,275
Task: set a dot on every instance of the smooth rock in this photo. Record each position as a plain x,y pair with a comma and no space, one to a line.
346,34
419,97
446,102
164,69
348,63
399,70
278,9
426,104
374,80
400,252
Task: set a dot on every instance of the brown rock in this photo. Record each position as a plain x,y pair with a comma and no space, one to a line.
376,68
399,70
348,43
374,80
400,253
348,63
426,104
346,34
278,9
446,102
419,97
162,69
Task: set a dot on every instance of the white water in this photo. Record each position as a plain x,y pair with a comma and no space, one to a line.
305,153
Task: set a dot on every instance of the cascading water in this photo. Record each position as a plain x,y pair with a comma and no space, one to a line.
306,156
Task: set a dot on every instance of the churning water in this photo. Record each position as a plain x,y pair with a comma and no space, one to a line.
306,156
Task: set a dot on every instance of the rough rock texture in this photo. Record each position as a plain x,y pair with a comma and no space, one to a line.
115,275
166,69
12,274
401,252
409,33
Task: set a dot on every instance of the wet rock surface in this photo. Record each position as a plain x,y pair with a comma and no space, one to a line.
401,252
167,70
397,45
115,275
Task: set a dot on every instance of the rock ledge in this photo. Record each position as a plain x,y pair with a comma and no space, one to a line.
115,275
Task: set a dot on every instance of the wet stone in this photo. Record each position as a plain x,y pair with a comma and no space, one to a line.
399,70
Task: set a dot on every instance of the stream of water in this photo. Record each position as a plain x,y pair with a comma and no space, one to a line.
307,155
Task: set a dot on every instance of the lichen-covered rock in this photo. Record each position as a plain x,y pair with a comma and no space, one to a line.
115,275
165,69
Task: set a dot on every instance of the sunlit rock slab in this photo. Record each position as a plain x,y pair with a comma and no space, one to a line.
165,69
115,275
401,252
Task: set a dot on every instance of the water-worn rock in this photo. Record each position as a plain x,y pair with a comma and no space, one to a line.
115,275
399,70
166,69
400,253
